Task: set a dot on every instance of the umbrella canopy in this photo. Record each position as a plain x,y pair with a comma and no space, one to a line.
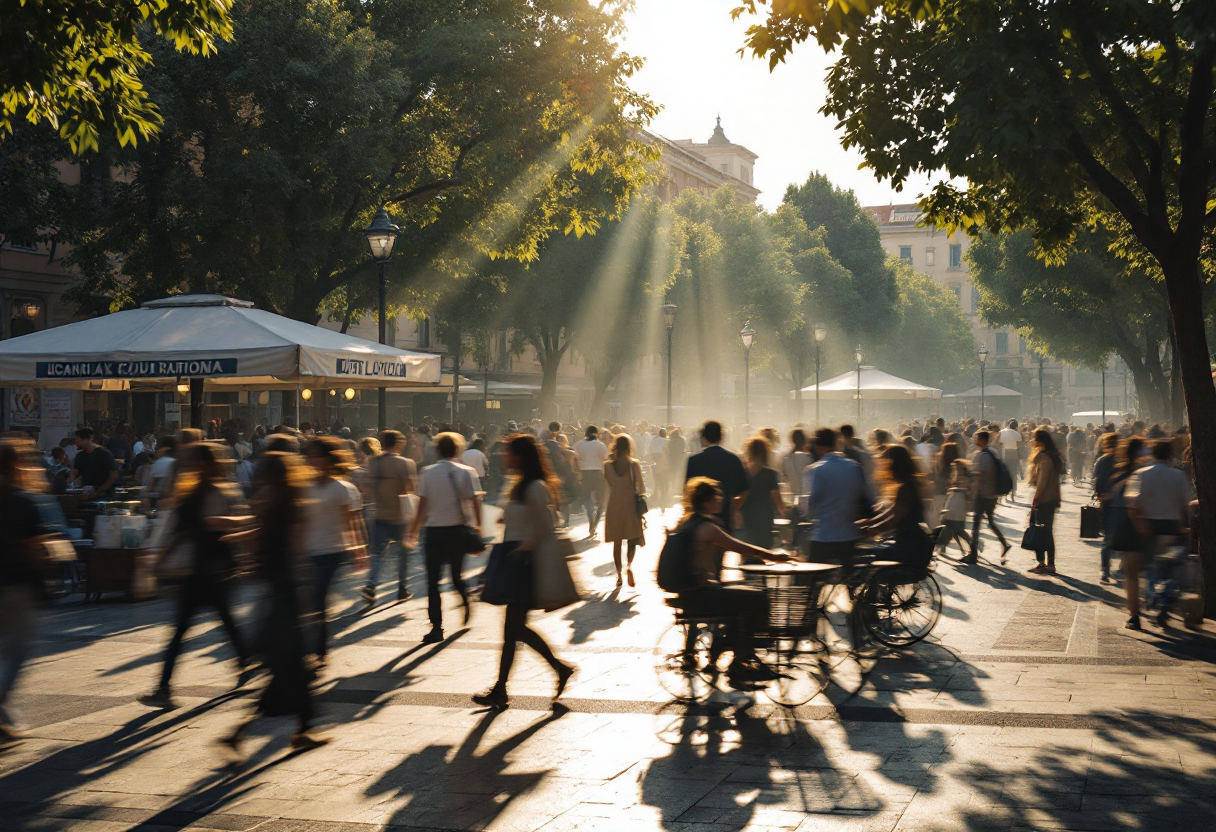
991,391
225,341
875,386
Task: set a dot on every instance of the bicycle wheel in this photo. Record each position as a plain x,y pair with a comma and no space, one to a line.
799,681
900,606
835,632
683,662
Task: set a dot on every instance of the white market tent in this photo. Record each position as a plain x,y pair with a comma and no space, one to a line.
991,391
875,386
225,342
1096,416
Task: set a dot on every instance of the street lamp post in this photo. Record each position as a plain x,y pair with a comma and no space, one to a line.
381,235
1040,388
748,336
821,332
669,321
860,356
983,362
1104,394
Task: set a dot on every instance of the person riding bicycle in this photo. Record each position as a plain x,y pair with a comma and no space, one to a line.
903,516
708,595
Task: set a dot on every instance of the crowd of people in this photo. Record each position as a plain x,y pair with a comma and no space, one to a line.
291,507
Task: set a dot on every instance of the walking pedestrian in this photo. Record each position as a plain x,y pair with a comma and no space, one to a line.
836,494
443,490
592,453
721,466
658,465
1104,470
279,506
528,523
1158,499
1076,454
763,502
622,523
333,529
1044,468
20,583
1008,441
390,477
677,459
209,507
1125,540
954,477
795,462
984,497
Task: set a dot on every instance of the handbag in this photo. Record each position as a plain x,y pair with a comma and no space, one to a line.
467,539
552,584
955,508
1034,538
507,578
639,501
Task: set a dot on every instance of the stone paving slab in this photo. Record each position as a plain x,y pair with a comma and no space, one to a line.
1028,708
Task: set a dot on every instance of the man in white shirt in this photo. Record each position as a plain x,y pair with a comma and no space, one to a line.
443,490
592,453
1008,441
1158,498
161,472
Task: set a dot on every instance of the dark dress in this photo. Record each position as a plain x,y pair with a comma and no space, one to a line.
758,509
287,694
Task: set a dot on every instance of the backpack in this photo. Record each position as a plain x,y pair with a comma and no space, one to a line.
674,572
1004,480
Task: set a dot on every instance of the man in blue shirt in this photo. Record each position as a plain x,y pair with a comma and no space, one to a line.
836,496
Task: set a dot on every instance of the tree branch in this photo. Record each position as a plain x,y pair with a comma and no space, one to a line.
1195,166
1153,231
450,181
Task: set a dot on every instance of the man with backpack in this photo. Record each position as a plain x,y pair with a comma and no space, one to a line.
990,480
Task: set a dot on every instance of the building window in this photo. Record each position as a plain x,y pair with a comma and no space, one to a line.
23,247
975,301
930,256
957,288
1002,343
1022,346
725,167
956,255
424,333
905,254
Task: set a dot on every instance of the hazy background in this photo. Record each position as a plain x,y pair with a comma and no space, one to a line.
693,70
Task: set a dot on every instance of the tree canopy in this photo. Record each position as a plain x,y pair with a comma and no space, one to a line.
76,64
485,127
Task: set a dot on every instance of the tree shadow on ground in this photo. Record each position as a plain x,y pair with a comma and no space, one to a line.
597,612
456,789
1141,771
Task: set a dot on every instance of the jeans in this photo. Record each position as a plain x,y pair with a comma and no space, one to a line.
984,507
593,497
198,591
1161,565
385,535
324,567
18,617
1045,514
442,547
1107,529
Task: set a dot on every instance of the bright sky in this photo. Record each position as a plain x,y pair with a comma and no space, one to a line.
693,70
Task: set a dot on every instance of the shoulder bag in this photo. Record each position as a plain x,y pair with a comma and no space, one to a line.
955,508
469,540
508,576
1034,538
639,500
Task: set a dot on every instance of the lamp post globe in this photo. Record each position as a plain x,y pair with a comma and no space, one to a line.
381,236
860,355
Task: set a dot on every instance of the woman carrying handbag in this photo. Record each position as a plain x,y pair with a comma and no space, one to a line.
528,529
1046,467
622,522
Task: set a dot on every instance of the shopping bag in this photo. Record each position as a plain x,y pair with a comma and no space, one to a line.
956,505
552,584
507,578
1091,521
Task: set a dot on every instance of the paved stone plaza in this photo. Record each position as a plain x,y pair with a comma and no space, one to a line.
1031,708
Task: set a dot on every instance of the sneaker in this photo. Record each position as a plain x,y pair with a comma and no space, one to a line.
1133,623
369,595
970,560
433,637
161,700
307,742
1104,579
495,697
404,594
1049,570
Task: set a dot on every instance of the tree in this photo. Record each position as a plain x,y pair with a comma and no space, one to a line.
75,64
932,343
1080,311
35,197
483,126
1056,116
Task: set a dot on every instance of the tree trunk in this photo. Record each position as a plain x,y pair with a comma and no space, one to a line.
1176,406
1159,384
1184,284
549,351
